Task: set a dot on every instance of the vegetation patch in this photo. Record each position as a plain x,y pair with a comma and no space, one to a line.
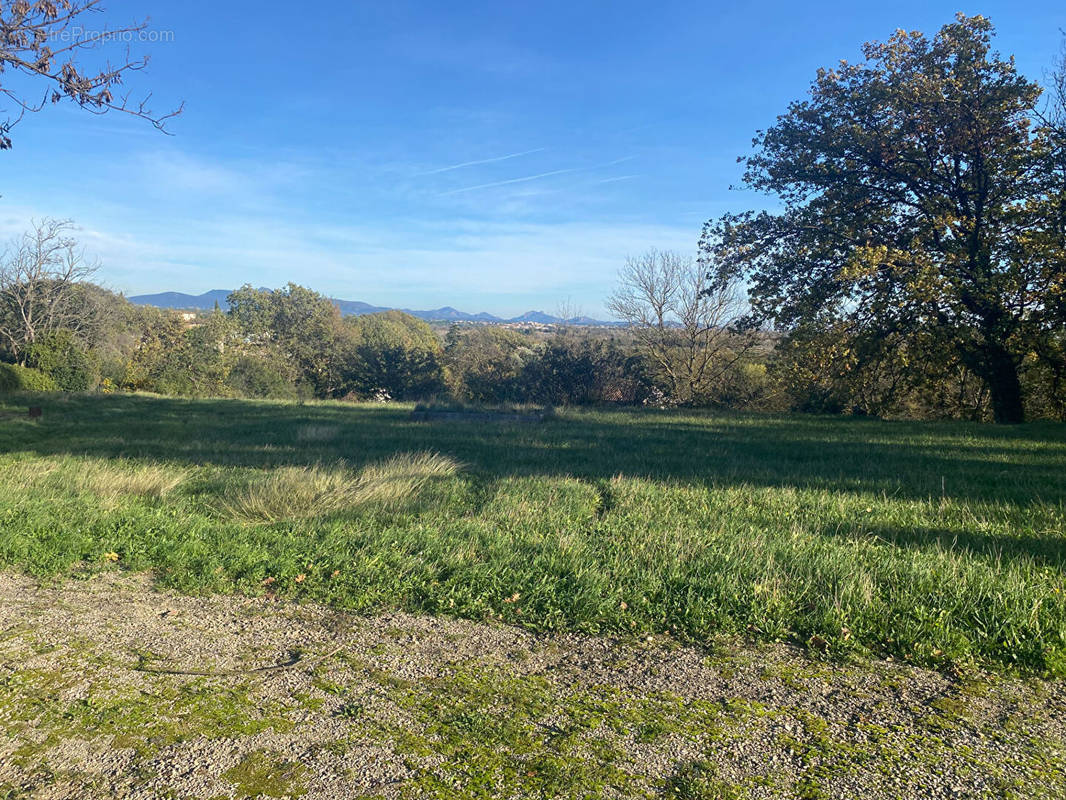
107,481
934,543
481,732
293,492
412,707
47,707
264,774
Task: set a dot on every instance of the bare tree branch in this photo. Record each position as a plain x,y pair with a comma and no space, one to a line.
43,40
39,276
682,321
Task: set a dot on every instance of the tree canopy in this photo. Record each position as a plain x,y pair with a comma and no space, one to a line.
919,200
396,353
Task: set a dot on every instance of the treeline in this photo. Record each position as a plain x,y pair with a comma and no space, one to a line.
685,344
293,343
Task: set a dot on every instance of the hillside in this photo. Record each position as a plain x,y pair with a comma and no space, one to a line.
208,300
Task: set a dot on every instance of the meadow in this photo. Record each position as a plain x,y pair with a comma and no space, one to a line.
940,544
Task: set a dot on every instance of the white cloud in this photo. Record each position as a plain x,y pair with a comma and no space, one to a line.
197,223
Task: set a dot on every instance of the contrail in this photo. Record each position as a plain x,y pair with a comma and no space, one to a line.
535,177
513,180
480,161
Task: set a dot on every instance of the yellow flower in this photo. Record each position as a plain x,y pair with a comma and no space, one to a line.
112,556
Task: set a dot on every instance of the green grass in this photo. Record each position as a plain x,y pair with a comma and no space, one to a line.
943,544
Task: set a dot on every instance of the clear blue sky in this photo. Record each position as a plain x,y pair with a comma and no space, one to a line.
495,156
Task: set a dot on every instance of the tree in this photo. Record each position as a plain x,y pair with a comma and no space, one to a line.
41,276
569,369
59,356
395,352
485,363
302,326
915,195
44,40
206,354
151,364
682,317
1050,319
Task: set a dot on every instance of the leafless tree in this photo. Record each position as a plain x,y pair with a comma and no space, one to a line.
1058,87
567,312
682,320
43,41
41,274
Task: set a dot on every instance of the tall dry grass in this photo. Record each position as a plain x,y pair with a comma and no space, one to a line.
294,492
108,480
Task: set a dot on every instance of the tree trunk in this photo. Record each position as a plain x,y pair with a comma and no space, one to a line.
1000,373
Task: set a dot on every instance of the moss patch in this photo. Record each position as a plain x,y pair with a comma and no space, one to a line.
264,774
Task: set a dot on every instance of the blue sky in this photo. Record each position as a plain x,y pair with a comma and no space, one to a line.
495,156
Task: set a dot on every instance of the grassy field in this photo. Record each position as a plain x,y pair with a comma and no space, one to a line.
941,544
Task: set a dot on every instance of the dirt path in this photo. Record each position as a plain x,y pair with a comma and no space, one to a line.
101,695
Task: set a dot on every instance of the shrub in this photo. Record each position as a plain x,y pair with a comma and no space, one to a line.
59,356
260,377
395,353
573,371
485,364
14,378
748,385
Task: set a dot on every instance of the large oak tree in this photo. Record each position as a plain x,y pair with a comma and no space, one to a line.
918,201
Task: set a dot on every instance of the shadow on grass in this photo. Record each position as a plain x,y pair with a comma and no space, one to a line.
1046,550
1019,465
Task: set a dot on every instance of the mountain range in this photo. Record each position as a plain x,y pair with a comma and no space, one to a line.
207,300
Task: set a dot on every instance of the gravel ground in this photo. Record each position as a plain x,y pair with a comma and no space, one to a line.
111,689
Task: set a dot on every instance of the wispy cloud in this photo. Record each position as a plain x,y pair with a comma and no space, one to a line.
480,161
619,178
199,221
502,267
509,182
527,178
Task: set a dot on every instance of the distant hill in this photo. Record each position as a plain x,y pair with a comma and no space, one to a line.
451,314
536,316
207,301
181,300
356,308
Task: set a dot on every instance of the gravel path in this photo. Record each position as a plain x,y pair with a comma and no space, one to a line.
111,689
